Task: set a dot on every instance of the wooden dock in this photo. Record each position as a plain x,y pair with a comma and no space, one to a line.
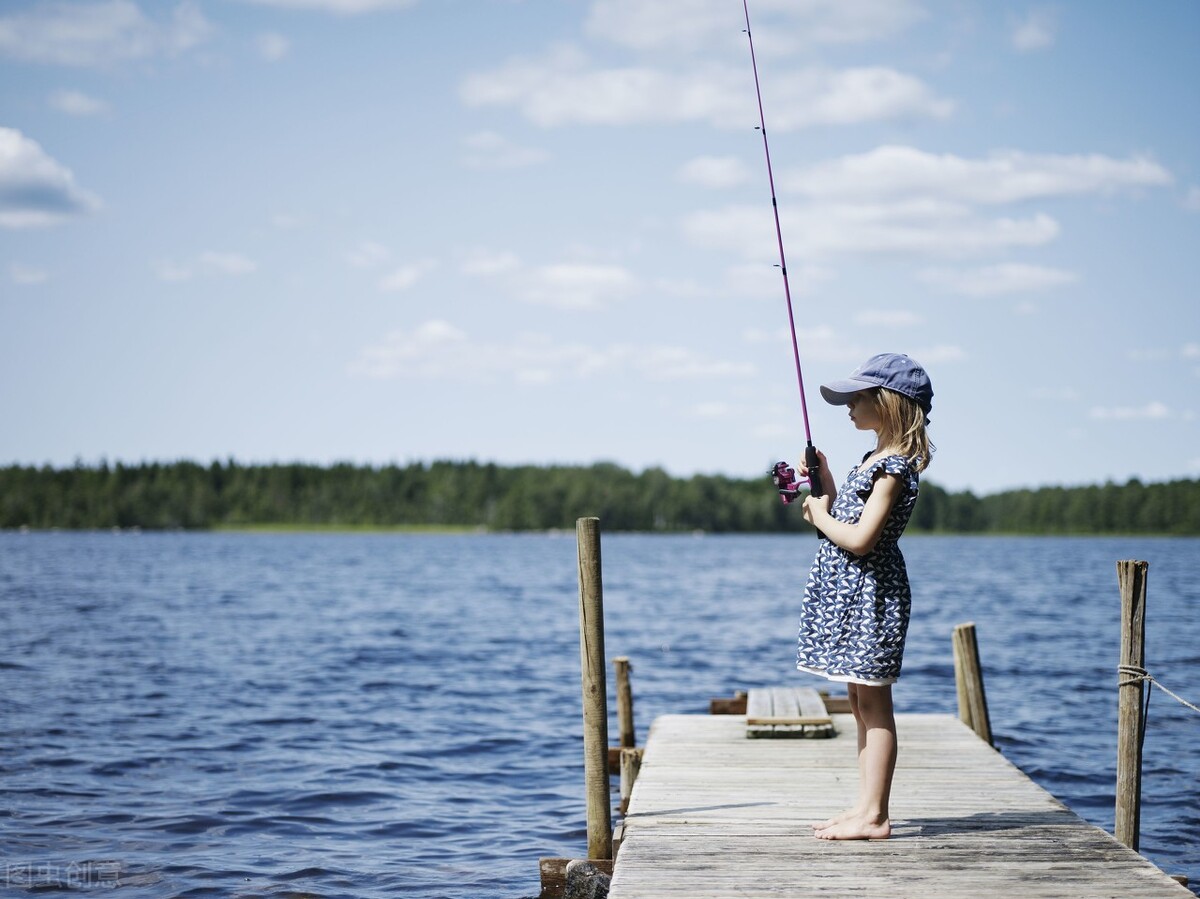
714,814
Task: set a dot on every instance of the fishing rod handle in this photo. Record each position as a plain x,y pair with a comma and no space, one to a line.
816,485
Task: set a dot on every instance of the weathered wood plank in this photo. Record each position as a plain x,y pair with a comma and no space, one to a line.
714,814
784,712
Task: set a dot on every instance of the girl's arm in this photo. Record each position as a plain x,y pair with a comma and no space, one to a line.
859,538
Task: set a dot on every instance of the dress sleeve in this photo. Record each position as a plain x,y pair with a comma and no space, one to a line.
895,465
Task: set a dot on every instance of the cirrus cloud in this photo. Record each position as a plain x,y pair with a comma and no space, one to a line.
340,7
918,227
438,350
565,88
994,280
99,34
692,25
77,103
1152,411
1003,176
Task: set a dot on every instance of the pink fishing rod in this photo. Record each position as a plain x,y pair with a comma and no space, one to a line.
811,459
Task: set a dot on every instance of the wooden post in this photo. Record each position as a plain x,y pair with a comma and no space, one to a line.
624,702
595,689
1131,575
968,678
631,764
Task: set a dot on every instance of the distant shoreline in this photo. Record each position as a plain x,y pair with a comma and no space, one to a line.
435,530
469,497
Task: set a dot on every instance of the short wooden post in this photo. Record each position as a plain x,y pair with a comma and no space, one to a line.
631,765
1131,576
968,678
624,702
595,689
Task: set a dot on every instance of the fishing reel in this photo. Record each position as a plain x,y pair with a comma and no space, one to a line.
783,476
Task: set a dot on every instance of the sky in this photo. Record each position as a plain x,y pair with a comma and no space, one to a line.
540,231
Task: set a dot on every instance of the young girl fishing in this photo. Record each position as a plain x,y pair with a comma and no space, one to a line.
857,599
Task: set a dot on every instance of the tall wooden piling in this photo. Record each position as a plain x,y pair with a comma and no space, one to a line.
595,689
1131,576
968,678
624,702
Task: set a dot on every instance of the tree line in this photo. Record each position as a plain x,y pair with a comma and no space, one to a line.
470,494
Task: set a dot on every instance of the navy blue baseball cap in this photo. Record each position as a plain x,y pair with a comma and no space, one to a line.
895,371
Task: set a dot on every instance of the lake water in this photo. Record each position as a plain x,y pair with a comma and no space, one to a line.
399,715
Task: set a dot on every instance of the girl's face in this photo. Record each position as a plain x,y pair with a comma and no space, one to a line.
863,412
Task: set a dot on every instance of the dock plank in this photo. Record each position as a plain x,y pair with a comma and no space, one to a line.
714,814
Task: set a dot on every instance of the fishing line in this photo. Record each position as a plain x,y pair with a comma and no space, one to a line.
810,452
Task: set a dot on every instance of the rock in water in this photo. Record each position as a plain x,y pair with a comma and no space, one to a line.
586,881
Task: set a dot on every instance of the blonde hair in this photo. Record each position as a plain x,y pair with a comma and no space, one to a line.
902,425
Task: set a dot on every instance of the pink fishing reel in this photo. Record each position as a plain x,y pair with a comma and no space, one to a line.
783,476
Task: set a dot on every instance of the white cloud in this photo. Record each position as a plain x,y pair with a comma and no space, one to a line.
692,25
919,227
226,263
489,150
887,318
1191,200
1034,32
272,46
1190,351
940,354
564,88
171,271
712,410
900,199
35,189
575,285
1149,412
98,34
714,171
341,7
1004,176
578,285
207,263
406,276
368,254
26,275
77,103
482,263
438,350
993,280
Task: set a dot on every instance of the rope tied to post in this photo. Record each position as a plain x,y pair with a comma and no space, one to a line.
1138,675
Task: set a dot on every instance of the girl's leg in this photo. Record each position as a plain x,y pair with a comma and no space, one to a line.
852,692
869,820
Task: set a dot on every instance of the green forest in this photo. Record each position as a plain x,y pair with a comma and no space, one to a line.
471,495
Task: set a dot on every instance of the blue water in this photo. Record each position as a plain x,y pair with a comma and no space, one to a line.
399,715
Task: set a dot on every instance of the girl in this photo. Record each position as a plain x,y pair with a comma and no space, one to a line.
857,599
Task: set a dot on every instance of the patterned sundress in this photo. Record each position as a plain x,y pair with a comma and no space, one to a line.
856,608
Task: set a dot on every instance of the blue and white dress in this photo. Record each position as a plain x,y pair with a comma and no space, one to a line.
856,608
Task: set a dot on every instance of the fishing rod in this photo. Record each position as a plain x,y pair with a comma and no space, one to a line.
782,474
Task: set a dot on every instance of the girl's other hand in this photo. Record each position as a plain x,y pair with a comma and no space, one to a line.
812,503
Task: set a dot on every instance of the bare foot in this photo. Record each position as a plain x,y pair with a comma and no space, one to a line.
836,819
857,827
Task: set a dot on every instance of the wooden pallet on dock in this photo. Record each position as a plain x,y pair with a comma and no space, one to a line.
787,712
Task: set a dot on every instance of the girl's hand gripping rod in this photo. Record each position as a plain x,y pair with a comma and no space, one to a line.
782,474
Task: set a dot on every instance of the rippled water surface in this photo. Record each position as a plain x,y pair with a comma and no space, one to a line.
399,715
